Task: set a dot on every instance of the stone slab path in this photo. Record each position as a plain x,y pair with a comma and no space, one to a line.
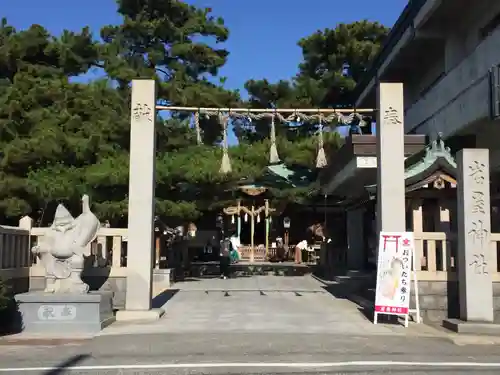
269,304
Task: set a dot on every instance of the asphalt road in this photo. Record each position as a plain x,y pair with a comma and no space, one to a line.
411,370
258,325
250,353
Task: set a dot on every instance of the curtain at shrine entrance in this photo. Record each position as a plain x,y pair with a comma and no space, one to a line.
260,232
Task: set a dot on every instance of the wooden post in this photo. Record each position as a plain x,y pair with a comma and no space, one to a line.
157,252
267,226
252,230
239,221
418,228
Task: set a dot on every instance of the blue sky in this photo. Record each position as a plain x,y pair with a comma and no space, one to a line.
264,33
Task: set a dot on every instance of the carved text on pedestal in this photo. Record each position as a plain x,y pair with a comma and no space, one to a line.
57,312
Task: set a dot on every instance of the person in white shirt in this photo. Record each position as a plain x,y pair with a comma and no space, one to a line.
302,245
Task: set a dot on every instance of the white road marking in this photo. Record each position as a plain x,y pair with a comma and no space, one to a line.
259,365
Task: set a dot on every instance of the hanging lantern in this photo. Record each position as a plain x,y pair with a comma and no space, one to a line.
245,217
286,222
232,219
258,218
346,69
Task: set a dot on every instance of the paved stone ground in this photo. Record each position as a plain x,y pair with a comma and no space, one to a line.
261,304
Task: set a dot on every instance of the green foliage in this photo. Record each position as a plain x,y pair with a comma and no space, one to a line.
5,296
325,53
60,139
321,81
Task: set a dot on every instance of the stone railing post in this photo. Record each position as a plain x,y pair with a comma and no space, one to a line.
24,256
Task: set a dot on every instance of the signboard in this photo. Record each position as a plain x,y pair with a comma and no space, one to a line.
395,264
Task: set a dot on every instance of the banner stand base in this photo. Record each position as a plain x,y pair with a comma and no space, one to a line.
405,316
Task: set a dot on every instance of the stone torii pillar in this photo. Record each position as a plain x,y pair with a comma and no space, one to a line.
391,211
141,213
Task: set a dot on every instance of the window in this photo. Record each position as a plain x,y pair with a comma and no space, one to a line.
495,92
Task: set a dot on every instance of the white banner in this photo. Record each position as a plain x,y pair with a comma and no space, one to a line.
393,273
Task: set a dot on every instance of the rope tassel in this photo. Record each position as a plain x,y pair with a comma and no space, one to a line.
225,166
273,151
321,161
197,127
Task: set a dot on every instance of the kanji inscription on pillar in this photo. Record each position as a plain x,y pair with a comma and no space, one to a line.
474,232
479,232
392,116
142,111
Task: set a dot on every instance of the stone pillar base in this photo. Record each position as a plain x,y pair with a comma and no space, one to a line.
474,328
162,278
130,315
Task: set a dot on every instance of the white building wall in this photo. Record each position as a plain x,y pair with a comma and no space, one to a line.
464,38
461,97
418,84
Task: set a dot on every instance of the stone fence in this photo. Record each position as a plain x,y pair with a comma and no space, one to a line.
15,256
107,264
434,260
435,254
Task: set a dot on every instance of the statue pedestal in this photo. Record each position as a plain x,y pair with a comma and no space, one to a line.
45,313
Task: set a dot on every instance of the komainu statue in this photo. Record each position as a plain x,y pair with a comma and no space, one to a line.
62,250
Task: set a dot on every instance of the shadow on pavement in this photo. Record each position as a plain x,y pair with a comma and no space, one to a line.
63,367
163,298
352,292
337,290
382,318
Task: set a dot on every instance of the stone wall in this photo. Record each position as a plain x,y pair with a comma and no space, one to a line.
439,300
103,279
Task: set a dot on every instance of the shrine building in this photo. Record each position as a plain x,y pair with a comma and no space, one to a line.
449,64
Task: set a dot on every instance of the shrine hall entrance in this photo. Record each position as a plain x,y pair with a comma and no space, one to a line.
259,233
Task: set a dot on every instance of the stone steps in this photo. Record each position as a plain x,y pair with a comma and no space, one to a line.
211,269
